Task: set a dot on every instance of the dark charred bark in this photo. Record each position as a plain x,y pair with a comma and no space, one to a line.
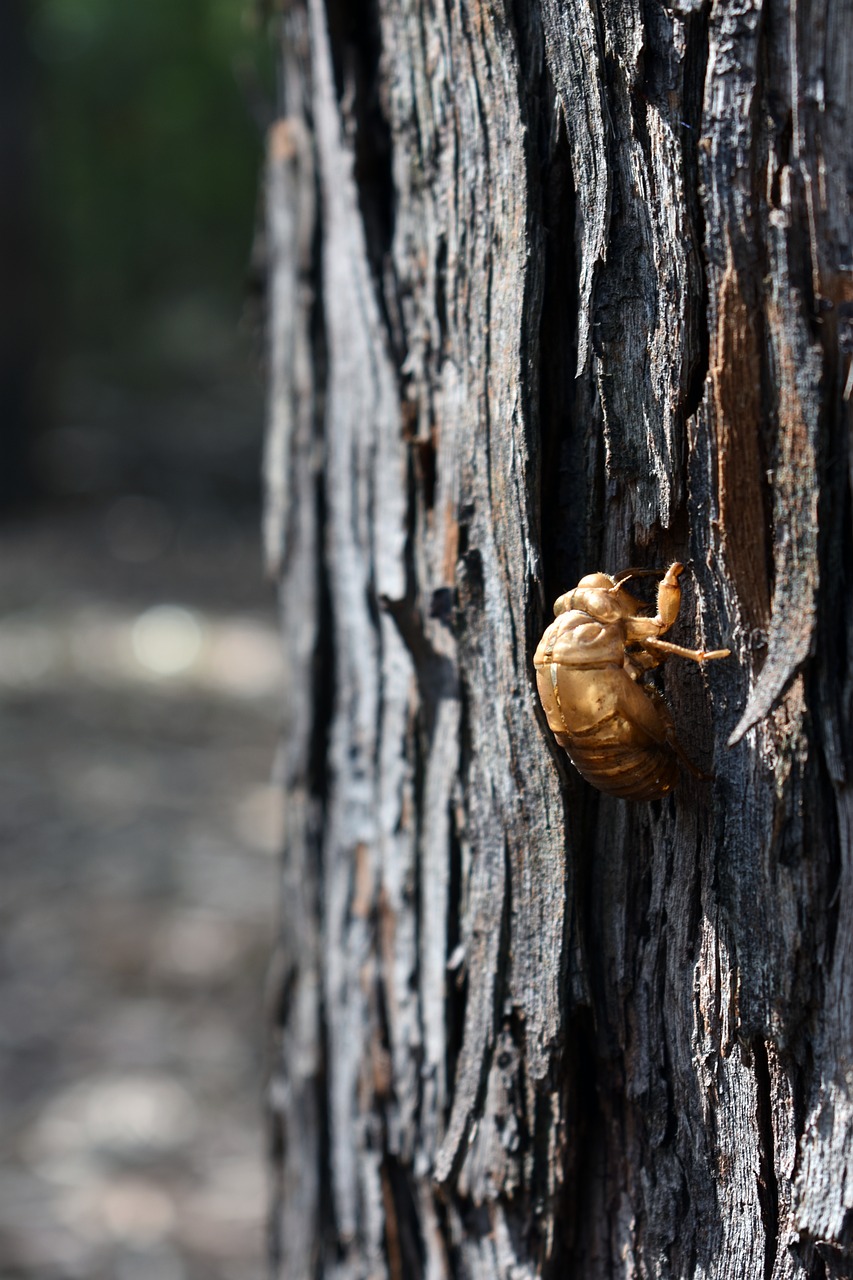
561,286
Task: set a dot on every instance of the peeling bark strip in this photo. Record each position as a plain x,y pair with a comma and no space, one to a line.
556,288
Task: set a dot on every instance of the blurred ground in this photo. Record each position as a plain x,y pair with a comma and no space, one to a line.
139,706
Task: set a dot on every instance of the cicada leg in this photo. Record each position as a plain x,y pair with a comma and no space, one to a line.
695,655
638,662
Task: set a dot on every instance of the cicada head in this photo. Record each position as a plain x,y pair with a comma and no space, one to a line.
597,595
573,599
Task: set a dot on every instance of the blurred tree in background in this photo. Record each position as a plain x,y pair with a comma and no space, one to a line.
145,137
147,152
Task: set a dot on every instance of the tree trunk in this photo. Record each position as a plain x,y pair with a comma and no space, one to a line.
561,286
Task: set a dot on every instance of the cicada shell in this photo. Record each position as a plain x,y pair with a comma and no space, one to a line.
590,666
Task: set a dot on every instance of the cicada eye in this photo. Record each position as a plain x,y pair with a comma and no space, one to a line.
562,604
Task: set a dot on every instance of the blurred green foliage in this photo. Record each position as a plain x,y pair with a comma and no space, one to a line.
148,135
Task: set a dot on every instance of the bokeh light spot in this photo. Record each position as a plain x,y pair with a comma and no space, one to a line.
167,639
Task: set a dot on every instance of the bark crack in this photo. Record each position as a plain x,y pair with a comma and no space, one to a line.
696,27
768,1190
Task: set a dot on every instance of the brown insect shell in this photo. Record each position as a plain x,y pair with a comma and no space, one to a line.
614,730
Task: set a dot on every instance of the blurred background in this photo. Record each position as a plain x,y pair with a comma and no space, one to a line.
139,659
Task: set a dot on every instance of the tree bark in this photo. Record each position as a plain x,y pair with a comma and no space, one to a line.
561,286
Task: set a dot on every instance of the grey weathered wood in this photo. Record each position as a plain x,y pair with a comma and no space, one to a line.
559,286
293,542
